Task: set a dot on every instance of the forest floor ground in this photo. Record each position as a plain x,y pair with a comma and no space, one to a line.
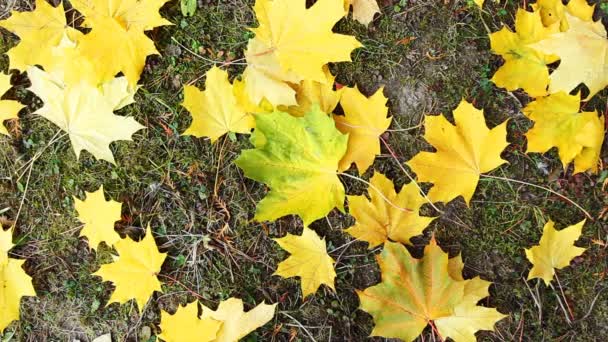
428,55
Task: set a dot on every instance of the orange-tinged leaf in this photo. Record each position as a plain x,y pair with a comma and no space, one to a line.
98,217
555,250
185,325
416,292
308,260
310,93
464,151
377,221
364,121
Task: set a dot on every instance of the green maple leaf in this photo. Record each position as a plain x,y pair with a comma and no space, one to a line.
298,159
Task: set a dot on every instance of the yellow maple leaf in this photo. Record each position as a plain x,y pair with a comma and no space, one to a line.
463,153
134,271
414,293
583,53
215,111
8,108
308,260
302,39
524,67
239,90
117,42
555,250
364,120
186,326
363,10
553,12
264,77
40,31
98,217
236,323
14,282
558,123
377,221
310,93
85,111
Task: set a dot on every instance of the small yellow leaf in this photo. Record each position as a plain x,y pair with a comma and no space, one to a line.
364,121
236,323
215,111
98,217
134,271
308,260
363,10
555,250
186,326
377,221
8,108
463,153
479,2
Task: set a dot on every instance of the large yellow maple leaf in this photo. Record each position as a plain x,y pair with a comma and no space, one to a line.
555,250
363,10
463,153
364,120
236,323
524,67
297,157
301,38
377,221
134,271
185,325
216,110
40,31
85,111
117,42
8,108
558,123
14,282
414,293
308,260
98,217
583,53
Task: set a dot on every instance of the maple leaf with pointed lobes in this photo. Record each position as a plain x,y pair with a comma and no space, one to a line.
85,112
578,136
39,31
308,260
363,10
8,108
98,217
236,323
215,111
414,293
555,250
297,158
553,12
302,39
583,53
134,271
117,42
310,93
186,326
364,120
14,282
377,221
463,153
524,67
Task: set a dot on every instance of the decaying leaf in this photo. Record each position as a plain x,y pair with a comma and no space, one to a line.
215,111
414,293
85,111
578,136
554,251
8,108
298,159
364,120
185,326
377,221
463,153
308,260
98,217
134,271
236,323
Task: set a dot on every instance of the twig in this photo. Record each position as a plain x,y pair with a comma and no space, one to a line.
301,326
